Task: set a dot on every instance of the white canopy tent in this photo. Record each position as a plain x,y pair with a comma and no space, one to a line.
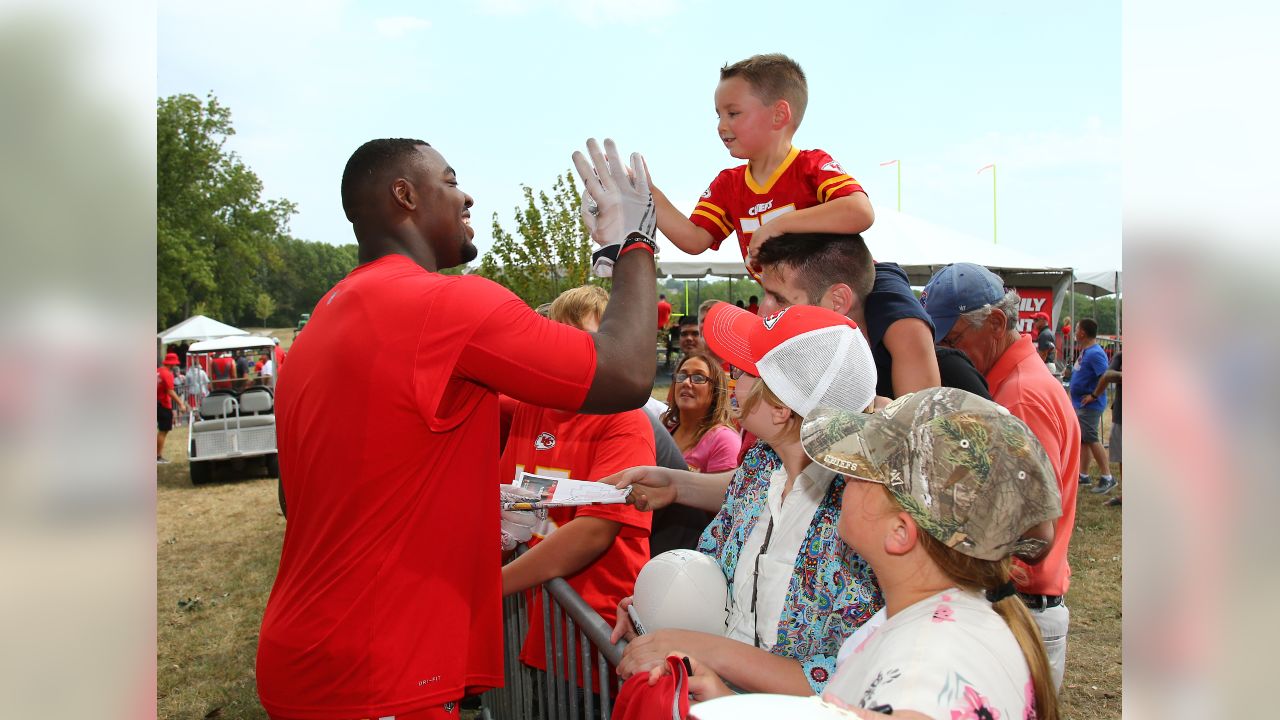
1100,283
199,327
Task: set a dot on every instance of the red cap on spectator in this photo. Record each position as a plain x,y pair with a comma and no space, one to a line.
171,359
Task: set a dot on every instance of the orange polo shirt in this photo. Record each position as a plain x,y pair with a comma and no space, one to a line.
1021,382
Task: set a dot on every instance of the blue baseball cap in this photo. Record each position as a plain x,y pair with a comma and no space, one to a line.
957,289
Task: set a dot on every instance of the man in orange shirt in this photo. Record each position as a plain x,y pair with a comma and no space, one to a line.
972,312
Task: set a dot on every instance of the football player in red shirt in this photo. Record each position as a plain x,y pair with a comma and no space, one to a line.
387,602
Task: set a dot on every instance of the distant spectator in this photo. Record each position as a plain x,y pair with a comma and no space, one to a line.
1045,344
1064,341
165,397
197,384
278,353
223,372
740,304
690,336
1111,376
664,312
753,305
1085,381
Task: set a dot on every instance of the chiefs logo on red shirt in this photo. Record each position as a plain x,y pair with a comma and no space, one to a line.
773,319
834,167
544,441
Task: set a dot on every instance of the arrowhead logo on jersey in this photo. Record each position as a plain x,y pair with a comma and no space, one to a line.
757,209
544,441
706,194
834,167
773,319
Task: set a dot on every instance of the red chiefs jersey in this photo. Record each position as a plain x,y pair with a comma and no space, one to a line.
388,598
584,447
736,203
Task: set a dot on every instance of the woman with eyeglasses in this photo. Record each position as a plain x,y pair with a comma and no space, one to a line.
699,416
796,591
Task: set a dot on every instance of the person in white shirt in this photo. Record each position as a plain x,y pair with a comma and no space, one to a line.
795,589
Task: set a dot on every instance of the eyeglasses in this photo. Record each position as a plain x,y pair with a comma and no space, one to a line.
950,342
735,372
695,378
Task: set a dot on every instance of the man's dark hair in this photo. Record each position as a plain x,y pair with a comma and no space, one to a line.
773,77
662,296
753,300
688,320
821,260
1089,327
370,165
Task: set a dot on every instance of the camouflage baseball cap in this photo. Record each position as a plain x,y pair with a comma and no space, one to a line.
970,473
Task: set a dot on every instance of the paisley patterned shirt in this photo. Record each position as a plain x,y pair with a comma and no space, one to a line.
832,590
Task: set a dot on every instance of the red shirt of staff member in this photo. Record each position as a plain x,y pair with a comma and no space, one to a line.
166,396
597,549
388,596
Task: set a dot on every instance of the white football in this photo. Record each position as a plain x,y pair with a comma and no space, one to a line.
682,589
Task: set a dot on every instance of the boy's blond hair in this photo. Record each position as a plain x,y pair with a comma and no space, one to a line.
773,77
575,305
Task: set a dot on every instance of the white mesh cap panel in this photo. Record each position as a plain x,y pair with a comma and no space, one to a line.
831,367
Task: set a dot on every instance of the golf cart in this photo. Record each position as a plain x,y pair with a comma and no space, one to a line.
236,421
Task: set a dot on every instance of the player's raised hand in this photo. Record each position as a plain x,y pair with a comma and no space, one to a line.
617,203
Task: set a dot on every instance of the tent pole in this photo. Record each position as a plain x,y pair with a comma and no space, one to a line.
1071,341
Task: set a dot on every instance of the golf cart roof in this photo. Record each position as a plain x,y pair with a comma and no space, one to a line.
235,342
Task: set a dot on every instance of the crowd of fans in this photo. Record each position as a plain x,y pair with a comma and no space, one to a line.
887,482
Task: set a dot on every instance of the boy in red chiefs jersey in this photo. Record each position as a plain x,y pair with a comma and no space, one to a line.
597,549
760,102
388,599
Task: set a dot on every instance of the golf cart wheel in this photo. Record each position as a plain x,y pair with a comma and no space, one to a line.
201,473
273,465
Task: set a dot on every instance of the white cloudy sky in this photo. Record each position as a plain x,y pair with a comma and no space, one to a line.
507,89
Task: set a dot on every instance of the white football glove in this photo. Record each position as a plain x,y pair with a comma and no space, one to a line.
616,203
517,525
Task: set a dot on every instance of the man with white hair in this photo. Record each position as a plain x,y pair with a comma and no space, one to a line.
974,313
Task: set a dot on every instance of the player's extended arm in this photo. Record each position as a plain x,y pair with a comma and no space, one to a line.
848,214
915,362
624,342
564,552
679,229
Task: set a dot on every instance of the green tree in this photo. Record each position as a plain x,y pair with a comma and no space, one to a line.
550,250
216,237
264,306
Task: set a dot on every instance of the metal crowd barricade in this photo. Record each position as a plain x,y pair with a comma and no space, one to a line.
532,694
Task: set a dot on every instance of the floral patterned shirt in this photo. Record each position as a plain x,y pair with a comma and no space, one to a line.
949,656
832,590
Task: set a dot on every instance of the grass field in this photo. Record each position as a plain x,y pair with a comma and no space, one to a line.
218,545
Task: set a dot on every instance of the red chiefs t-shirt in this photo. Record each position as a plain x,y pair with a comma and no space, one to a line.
164,386
388,596
735,202
584,447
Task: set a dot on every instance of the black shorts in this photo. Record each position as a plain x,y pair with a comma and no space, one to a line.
164,418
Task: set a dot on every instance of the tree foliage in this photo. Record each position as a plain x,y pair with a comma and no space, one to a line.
219,243
550,251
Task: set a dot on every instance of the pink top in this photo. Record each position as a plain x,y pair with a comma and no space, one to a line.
716,451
